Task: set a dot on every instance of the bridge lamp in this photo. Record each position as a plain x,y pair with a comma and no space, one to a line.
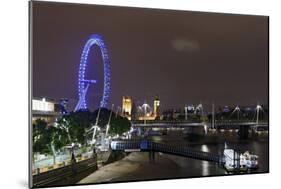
258,108
145,106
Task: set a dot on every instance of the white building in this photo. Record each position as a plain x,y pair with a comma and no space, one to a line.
45,109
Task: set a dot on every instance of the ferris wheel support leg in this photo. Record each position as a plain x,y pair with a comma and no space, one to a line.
82,99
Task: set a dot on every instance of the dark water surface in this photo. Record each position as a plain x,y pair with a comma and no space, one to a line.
214,143
137,165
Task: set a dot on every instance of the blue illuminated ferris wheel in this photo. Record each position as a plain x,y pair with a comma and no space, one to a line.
84,83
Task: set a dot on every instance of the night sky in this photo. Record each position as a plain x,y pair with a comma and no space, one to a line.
184,57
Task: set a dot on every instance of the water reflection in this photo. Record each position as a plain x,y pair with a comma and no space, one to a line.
205,148
205,164
213,143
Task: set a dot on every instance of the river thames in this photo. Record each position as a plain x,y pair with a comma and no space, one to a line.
137,166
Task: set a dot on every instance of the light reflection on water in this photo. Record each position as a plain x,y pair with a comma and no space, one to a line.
172,166
192,167
205,148
205,164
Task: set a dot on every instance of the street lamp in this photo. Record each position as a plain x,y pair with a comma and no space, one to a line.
185,112
258,108
145,106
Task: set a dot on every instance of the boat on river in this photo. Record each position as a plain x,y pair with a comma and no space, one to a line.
235,161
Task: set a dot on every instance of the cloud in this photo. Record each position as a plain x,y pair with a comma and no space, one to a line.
185,45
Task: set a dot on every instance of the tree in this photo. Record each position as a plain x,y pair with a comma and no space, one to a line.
118,124
47,139
58,139
75,125
40,137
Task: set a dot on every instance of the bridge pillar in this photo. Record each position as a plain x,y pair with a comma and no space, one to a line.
139,131
243,131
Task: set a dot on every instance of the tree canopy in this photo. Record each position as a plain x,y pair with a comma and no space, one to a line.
77,123
72,128
47,138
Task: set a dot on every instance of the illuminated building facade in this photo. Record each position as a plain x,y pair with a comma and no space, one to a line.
63,104
45,109
140,112
127,107
156,107
146,112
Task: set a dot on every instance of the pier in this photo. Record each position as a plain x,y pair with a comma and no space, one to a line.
149,146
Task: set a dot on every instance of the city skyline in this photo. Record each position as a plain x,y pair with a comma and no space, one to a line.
185,58
117,92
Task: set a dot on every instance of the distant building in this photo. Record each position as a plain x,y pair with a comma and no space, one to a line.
127,107
176,114
63,106
140,112
156,107
146,112
134,112
150,118
226,109
45,109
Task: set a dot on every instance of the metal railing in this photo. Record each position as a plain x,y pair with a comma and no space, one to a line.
185,151
68,174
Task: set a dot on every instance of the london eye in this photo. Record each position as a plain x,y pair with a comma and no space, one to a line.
84,82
